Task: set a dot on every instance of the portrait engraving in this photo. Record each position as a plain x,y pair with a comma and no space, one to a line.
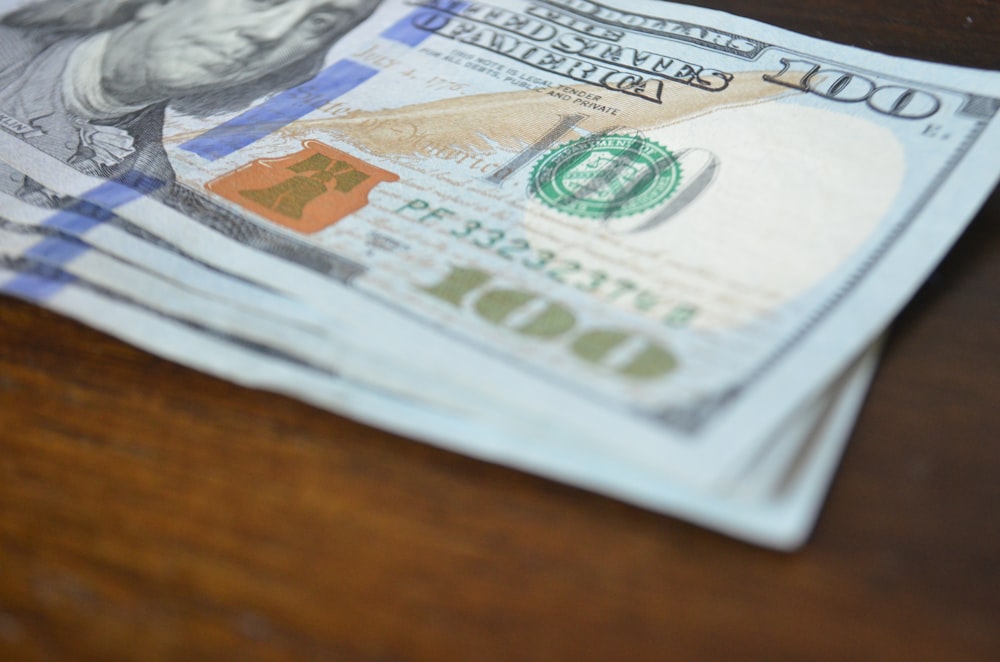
88,82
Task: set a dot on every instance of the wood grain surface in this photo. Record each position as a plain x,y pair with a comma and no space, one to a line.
151,512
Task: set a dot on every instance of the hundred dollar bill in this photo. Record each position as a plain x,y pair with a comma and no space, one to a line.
475,378
180,293
249,318
775,505
671,225
384,333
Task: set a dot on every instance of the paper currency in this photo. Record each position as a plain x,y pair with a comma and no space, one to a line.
772,503
664,229
779,513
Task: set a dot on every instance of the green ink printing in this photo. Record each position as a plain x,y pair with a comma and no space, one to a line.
605,177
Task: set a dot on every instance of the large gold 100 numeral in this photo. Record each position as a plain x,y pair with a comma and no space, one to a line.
621,351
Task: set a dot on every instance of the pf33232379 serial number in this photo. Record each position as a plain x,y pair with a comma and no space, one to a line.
596,282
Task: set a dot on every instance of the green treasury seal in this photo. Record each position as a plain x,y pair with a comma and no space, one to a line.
604,177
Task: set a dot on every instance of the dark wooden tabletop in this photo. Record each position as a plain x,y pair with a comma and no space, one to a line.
151,512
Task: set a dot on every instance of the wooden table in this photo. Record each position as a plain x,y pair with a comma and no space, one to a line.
150,512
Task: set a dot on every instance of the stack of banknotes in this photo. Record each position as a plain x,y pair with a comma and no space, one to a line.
644,248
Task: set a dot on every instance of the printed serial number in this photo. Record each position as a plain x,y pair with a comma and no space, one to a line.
519,250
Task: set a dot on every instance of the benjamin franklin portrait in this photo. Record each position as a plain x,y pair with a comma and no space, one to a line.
88,82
